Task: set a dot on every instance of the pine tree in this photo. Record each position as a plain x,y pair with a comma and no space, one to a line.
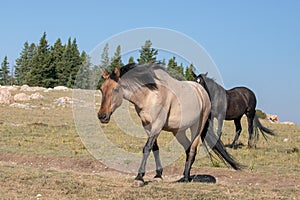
96,77
189,73
76,62
147,54
57,61
82,79
163,62
63,71
40,73
4,72
131,60
104,63
116,61
24,63
48,66
174,70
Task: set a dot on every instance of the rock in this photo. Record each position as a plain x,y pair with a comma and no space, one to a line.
26,106
288,123
25,97
137,183
24,88
5,96
20,105
21,97
47,90
272,118
35,89
11,87
61,88
38,196
36,96
63,101
31,89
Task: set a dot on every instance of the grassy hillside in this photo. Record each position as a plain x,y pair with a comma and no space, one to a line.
42,156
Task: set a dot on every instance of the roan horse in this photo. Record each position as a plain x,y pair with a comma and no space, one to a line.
162,103
232,105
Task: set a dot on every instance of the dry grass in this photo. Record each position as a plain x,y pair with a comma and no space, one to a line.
46,137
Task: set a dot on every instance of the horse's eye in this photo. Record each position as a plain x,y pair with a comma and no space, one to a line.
116,90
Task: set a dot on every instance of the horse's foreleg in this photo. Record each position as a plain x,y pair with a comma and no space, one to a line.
238,128
139,180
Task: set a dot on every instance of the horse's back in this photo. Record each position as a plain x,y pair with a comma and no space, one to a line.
202,93
240,100
244,92
188,103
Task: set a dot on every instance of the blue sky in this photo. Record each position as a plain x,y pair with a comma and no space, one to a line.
253,43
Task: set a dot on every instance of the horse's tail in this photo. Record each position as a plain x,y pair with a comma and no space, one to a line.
258,126
214,142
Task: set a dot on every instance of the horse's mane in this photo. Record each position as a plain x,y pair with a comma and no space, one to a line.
208,78
136,76
204,76
127,68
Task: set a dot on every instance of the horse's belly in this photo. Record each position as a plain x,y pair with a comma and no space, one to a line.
182,119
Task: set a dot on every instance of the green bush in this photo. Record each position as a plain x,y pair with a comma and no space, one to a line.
261,114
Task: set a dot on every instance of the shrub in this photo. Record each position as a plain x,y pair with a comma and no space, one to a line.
261,114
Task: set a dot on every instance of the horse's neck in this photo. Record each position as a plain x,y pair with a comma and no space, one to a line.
212,85
134,97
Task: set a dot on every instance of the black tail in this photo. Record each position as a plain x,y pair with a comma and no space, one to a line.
213,141
258,126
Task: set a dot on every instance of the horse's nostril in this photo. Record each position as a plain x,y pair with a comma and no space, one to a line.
101,116
104,117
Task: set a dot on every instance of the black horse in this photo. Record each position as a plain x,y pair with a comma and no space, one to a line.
232,105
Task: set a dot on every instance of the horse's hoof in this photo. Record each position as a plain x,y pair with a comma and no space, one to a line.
137,183
158,179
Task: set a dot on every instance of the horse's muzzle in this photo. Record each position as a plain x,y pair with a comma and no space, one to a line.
104,117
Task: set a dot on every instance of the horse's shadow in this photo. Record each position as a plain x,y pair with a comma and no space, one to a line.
201,178
237,146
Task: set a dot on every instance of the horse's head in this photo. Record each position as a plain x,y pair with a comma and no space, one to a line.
200,79
112,95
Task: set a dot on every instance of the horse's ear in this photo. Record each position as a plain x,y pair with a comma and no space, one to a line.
194,75
206,74
105,74
117,72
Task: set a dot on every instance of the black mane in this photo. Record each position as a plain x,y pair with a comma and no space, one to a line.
203,83
140,75
127,68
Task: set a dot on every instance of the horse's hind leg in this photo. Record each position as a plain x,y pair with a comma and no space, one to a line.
238,129
250,118
190,158
159,168
186,143
220,125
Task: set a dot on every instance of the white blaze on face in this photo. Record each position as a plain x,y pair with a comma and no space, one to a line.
198,80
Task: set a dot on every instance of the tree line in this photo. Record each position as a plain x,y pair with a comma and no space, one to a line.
63,64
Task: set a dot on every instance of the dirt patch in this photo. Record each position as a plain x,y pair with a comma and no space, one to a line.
171,173
58,163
